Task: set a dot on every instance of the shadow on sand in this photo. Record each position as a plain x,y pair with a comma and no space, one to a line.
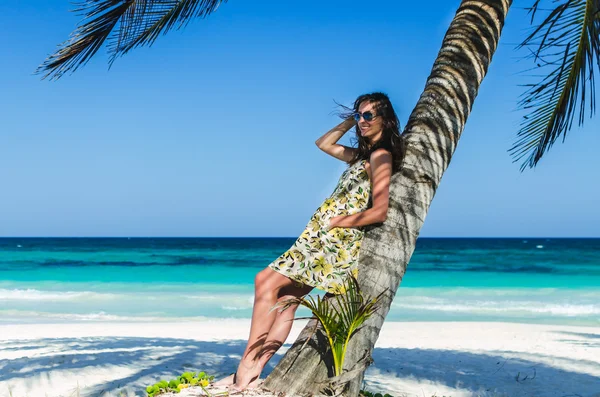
135,363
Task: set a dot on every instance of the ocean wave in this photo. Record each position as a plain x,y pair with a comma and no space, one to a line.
548,265
244,299
53,263
504,307
7,315
186,260
37,295
469,292
495,268
234,308
238,303
171,261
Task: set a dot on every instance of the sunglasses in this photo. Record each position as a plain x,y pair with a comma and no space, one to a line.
368,116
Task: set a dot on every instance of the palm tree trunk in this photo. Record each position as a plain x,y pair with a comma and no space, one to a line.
431,136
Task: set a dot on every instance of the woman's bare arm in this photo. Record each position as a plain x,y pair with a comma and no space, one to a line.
328,142
381,166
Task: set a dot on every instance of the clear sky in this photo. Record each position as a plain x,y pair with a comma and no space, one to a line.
211,131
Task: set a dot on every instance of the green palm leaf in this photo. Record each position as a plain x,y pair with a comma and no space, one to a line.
340,316
126,24
567,47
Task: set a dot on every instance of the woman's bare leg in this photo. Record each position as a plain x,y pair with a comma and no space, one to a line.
277,334
268,285
283,324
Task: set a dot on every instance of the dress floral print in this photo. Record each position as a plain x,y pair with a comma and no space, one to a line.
324,258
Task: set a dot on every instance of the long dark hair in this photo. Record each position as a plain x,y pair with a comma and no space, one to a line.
390,139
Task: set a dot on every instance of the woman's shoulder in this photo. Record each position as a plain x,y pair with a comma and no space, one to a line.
380,150
380,153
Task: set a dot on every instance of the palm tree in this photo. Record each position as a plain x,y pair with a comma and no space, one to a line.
568,43
431,135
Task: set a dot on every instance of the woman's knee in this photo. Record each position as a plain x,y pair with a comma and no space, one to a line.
260,278
263,283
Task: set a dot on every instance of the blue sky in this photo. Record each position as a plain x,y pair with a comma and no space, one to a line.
211,131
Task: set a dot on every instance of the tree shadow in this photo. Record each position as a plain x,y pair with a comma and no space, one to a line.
144,360
139,362
581,339
501,373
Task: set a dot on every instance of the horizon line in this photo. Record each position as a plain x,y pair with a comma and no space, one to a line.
295,237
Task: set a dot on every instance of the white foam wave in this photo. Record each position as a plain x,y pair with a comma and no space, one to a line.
239,303
202,297
37,295
229,302
233,308
504,307
462,293
96,316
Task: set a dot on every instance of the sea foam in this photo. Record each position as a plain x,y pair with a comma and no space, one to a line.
37,295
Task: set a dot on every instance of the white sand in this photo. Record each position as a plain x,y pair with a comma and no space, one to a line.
411,359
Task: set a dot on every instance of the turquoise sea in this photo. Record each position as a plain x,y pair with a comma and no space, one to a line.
529,280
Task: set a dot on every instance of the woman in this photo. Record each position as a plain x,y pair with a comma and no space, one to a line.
327,251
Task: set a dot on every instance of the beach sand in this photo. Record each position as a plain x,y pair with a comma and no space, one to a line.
421,359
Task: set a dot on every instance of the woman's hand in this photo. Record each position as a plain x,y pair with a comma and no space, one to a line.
334,222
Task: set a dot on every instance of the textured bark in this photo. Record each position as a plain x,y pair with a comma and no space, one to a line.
431,136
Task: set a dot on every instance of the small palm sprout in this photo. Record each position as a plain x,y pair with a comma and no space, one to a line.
340,316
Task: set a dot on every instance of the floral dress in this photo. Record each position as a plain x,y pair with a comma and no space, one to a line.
322,258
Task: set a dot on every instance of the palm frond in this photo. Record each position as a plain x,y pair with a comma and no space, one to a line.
124,25
340,316
567,46
325,313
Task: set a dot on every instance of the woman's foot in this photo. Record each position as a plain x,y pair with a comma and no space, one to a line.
226,381
246,377
230,380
